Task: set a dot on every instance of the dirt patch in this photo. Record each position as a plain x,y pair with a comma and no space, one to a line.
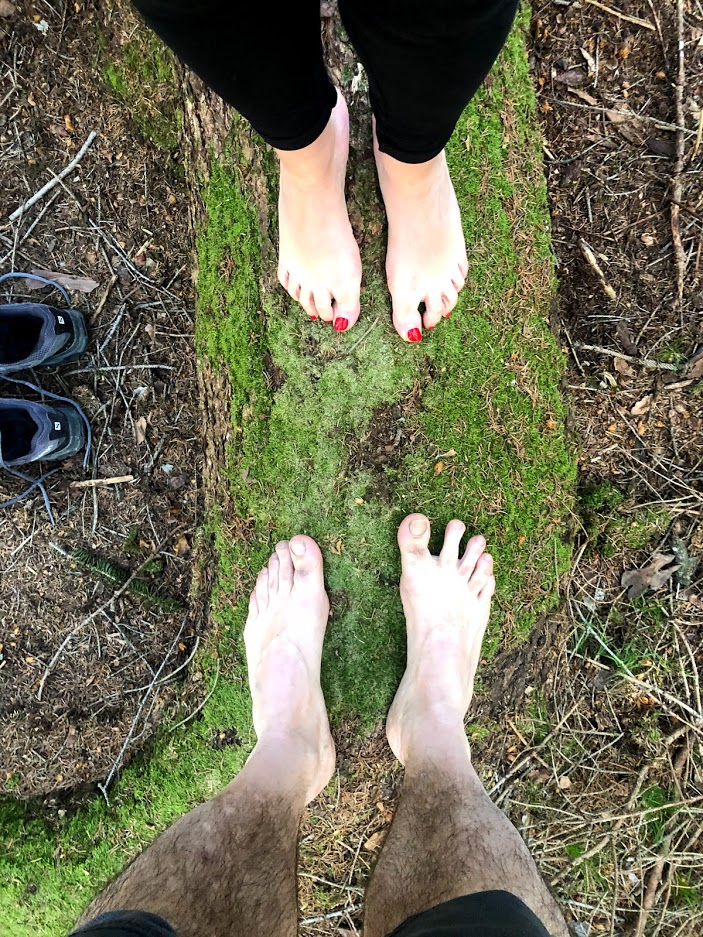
85,676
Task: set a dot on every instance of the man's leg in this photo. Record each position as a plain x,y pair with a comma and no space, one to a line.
228,867
447,839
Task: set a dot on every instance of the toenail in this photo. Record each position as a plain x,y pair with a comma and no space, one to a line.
447,315
418,526
340,325
414,335
429,328
312,318
297,547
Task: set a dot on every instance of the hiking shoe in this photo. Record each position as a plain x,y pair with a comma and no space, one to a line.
33,333
30,431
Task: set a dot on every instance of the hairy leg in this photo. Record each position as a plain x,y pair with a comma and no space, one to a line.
447,839
228,867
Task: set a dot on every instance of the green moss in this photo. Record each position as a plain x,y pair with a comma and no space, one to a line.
610,527
480,396
142,76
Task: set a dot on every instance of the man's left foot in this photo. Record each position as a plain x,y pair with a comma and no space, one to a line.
288,612
426,260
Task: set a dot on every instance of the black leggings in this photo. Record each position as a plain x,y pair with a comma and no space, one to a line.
425,59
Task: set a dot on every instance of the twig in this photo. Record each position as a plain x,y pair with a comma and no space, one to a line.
99,482
331,915
55,181
622,16
644,362
153,685
86,621
197,710
595,266
677,185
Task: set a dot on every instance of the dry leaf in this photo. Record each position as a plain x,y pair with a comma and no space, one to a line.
695,368
564,782
438,467
69,282
140,431
585,96
181,546
7,8
572,77
375,840
68,123
653,576
642,406
622,367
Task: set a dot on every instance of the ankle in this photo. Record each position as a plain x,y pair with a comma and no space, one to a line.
433,741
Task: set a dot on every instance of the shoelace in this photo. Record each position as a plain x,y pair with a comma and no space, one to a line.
39,482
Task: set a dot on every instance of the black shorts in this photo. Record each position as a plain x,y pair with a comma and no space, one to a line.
484,914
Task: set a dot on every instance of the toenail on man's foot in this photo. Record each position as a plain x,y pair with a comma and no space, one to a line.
340,325
418,526
414,335
297,547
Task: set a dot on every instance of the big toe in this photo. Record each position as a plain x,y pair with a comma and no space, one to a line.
345,308
407,319
413,538
307,561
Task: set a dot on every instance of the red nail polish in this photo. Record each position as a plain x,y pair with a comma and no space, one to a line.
447,315
312,318
414,335
429,328
341,324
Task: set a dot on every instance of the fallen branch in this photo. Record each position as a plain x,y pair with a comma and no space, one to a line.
677,185
645,24
590,257
55,181
644,362
99,482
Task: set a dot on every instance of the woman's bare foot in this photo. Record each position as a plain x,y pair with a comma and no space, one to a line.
447,601
426,260
318,258
283,635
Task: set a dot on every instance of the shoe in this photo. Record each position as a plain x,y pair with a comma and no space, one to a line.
33,334
30,432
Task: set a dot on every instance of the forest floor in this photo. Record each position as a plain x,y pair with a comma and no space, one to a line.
567,430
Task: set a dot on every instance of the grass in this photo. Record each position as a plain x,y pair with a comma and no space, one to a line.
480,401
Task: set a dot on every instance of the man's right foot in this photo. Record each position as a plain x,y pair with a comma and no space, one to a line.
319,263
447,601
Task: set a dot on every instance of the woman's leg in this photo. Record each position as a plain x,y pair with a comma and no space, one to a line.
267,63
447,839
424,61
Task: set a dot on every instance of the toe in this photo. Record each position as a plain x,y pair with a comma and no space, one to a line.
458,280
274,567
253,606
283,277
464,267
434,310
306,559
407,320
451,298
323,304
413,537
486,594
307,301
474,549
285,561
346,309
481,573
449,554
262,589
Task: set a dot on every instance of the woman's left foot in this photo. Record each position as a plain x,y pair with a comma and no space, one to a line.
426,260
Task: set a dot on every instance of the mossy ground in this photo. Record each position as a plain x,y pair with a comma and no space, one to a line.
482,424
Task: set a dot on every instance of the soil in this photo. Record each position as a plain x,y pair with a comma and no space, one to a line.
82,674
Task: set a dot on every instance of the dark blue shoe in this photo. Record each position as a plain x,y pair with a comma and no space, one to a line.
30,432
33,334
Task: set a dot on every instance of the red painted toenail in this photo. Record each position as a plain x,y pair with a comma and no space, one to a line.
414,335
341,325
429,327
312,318
447,315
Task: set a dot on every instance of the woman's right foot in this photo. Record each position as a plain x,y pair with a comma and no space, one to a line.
319,263
447,601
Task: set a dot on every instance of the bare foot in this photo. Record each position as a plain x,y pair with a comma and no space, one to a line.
318,258
447,600
283,635
426,260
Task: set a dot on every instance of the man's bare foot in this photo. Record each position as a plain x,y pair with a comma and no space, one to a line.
447,601
426,260
318,258
283,635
